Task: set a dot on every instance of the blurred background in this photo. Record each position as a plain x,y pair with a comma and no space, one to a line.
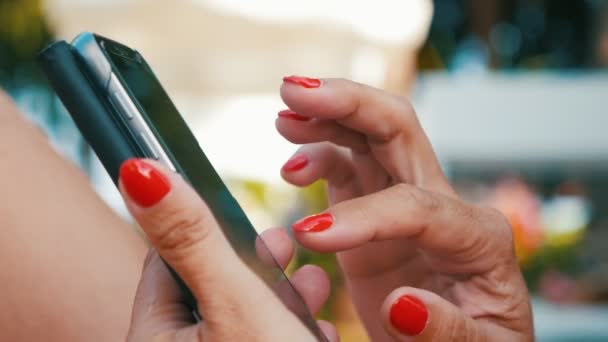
513,94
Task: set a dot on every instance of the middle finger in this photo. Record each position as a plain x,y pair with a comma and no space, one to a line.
389,124
311,282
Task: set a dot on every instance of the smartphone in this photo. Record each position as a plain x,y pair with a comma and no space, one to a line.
151,124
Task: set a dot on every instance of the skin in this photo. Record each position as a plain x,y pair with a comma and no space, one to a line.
399,227
56,272
55,265
236,304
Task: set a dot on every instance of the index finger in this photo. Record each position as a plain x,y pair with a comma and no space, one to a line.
449,231
377,114
389,124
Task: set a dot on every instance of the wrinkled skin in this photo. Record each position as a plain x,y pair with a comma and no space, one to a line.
399,227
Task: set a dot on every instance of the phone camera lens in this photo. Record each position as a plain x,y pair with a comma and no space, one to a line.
117,50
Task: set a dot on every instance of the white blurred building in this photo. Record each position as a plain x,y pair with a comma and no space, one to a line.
222,61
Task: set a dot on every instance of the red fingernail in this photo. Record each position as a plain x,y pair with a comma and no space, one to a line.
314,223
409,315
144,184
296,163
290,114
303,81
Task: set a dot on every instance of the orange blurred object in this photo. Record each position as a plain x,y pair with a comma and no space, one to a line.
514,198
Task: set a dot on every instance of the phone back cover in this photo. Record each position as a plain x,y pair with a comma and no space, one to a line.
93,119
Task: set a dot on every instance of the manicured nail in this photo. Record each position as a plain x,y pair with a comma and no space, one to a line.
296,163
314,223
409,315
290,114
303,81
145,185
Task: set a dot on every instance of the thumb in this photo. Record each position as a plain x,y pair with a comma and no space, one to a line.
186,235
412,314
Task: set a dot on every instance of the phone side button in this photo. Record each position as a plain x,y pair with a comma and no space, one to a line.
121,104
148,146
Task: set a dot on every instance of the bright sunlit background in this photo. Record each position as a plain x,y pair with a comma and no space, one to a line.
512,93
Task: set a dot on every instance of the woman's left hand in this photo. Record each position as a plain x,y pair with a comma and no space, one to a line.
235,304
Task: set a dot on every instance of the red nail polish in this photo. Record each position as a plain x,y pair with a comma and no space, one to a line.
296,163
290,114
303,81
314,223
144,184
409,315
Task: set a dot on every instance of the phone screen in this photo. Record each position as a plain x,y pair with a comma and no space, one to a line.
189,159
181,145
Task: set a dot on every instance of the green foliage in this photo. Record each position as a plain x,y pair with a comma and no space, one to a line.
315,199
24,31
257,189
563,258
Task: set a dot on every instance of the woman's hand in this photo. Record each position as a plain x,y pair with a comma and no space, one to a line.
419,262
235,303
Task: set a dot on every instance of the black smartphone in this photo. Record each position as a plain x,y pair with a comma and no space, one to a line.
150,124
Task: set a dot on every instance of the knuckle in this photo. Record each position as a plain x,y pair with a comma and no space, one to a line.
406,115
399,119
405,107
423,201
324,149
499,221
477,245
180,228
455,328
501,232
396,112
489,234
467,212
338,172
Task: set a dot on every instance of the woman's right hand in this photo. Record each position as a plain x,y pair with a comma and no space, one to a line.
420,263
